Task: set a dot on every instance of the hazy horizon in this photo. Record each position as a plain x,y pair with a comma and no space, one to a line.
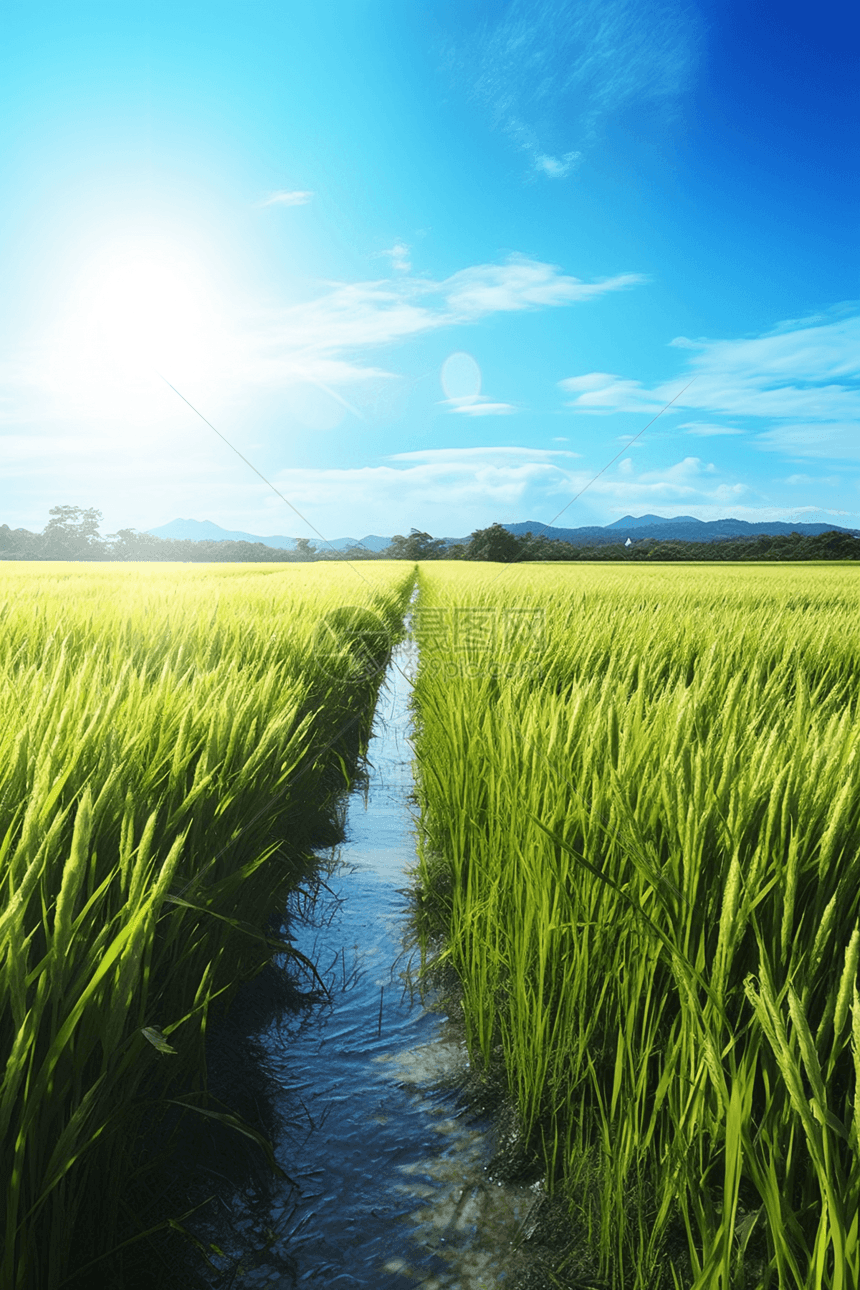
429,266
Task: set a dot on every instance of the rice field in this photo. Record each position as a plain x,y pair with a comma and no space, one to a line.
640,795
170,737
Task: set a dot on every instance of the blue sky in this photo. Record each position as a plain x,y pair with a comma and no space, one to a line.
429,264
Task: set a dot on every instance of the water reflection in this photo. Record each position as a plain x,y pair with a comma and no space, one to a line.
391,1185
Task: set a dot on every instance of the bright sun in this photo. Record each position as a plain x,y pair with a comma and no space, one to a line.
138,309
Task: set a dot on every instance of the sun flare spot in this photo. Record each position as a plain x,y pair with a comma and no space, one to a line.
138,309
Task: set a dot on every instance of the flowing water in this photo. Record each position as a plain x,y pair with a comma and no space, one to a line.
392,1188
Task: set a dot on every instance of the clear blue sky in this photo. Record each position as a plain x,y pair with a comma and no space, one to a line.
429,263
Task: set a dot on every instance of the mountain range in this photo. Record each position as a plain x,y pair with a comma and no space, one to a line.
680,528
206,531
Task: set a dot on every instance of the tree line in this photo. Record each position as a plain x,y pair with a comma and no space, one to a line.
496,543
72,533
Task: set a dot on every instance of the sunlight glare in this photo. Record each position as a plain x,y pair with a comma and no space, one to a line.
140,309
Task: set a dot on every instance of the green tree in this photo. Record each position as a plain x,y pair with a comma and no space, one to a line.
73,534
128,544
418,546
494,543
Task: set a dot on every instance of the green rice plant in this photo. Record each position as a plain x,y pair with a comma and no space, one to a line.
170,739
641,855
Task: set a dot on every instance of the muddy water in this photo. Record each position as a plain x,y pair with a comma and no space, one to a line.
392,1188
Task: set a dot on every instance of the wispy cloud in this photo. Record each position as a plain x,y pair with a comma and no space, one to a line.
400,258
321,356
478,405
691,485
521,283
557,167
799,479
688,480
434,488
706,430
840,439
292,197
801,378
552,74
323,335
458,456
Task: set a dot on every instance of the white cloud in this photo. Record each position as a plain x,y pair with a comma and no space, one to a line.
460,455
801,376
478,405
552,74
434,488
400,260
437,488
303,368
295,197
350,316
706,430
832,480
22,452
486,482
521,283
814,439
589,382
316,336
556,167
604,392
691,485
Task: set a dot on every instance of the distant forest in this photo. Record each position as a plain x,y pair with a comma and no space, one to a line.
73,534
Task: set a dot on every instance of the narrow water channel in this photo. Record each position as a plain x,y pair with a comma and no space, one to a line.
392,1183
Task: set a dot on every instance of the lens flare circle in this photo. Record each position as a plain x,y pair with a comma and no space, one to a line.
461,377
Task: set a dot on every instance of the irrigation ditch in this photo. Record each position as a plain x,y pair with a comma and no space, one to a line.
399,1165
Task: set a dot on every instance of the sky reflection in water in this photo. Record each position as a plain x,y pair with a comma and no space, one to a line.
393,1181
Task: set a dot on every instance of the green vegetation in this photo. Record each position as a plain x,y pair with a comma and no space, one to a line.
641,855
778,546
169,739
73,534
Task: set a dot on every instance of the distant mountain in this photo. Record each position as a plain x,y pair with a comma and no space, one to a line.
681,528
206,531
371,542
647,521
